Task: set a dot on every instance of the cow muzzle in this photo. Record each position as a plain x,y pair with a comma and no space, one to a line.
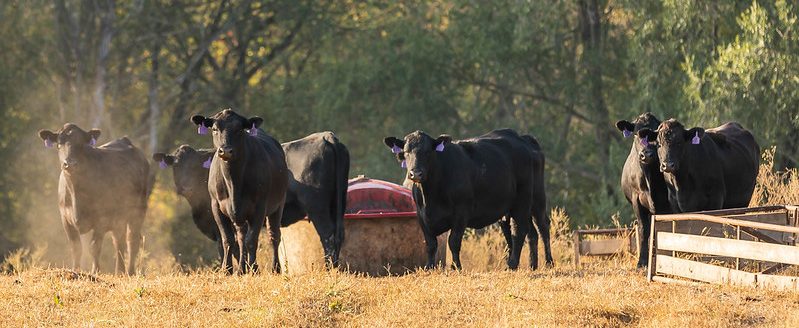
225,153
415,175
68,164
668,167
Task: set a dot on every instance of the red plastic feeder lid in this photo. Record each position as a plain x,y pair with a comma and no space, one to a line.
370,198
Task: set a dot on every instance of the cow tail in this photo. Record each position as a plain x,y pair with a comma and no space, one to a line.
342,174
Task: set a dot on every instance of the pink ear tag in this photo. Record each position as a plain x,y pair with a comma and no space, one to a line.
395,149
695,139
48,143
440,147
162,164
92,142
207,164
627,133
201,129
403,165
253,130
645,141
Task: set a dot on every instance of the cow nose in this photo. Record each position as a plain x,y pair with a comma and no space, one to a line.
667,167
225,153
68,163
415,175
642,157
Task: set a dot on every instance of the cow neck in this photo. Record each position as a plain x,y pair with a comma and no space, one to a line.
233,174
685,178
90,162
432,184
656,184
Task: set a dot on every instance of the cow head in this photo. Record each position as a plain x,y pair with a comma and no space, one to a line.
417,152
644,145
72,143
189,169
672,142
647,147
229,131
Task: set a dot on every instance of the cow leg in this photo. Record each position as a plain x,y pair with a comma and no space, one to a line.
251,243
532,243
454,243
542,222
520,227
274,237
643,216
117,237
326,229
504,225
95,245
134,238
225,237
74,241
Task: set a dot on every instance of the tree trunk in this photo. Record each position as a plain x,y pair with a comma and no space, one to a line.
591,30
107,17
152,95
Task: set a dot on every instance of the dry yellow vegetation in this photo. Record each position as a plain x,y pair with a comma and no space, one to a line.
603,295
604,292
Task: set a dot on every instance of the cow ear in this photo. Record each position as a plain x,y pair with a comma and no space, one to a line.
625,126
94,133
648,134
694,135
392,142
254,121
166,159
205,121
48,135
443,139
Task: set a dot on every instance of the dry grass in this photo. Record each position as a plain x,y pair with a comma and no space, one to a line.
600,296
605,292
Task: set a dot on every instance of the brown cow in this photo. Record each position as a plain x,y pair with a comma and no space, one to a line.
101,189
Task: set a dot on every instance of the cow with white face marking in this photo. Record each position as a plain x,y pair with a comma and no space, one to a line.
101,189
473,183
247,182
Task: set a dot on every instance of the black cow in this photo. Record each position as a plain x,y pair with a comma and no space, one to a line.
319,164
101,189
641,180
707,170
473,183
190,174
247,182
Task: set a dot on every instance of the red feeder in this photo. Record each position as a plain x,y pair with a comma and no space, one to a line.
382,234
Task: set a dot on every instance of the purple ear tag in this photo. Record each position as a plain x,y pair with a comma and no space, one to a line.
403,165
695,139
207,164
440,147
48,143
627,133
645,141
162,164
395,149
253,130
201,129
92,142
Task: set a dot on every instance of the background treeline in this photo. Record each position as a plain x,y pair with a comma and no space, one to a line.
563,71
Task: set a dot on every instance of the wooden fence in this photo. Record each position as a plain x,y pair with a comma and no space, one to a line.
615,241
747,247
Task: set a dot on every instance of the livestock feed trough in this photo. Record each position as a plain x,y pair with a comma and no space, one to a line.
753,247
604,242
382,234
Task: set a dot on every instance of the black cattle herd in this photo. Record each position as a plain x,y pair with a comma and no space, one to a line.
248,180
